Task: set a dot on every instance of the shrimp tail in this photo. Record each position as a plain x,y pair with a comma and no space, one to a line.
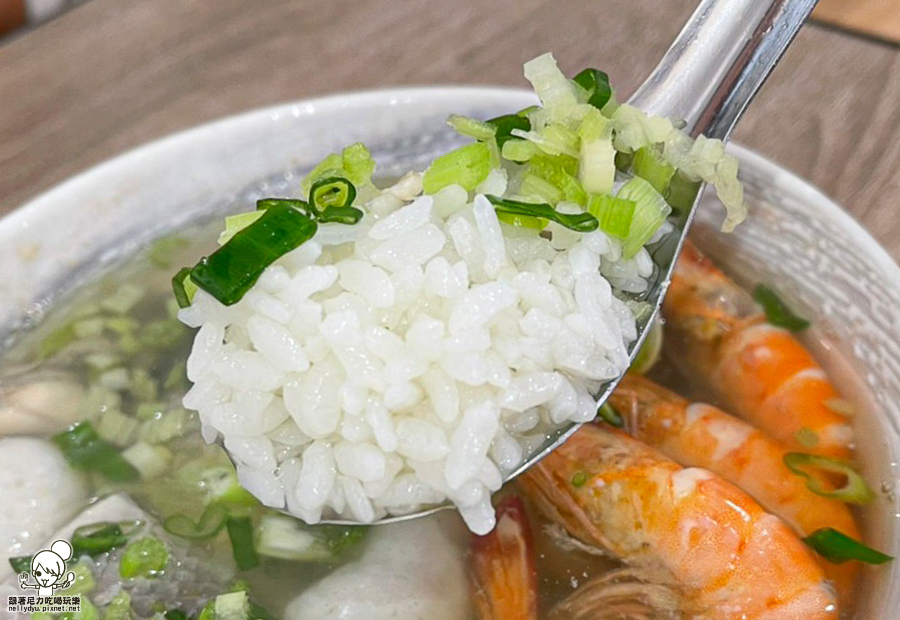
504,578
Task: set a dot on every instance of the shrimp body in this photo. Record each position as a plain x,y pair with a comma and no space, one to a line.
699,435
763,372
732,559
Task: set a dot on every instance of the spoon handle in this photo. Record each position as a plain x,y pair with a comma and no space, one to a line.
719,60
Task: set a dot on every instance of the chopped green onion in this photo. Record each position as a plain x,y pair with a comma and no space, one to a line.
331,192
56,341
331,165
184,287
608,414
650,166
149,460
466,166
240,532
596,83
341,215
854,491
650,350
597,172
579,222
232,606
119,608
649,214
623,161
210,523
284,537
88,611
341,538
301,205
594,126
145,557
229,272
579,479
84,579
777,313
84,449
614,214
21,564
518,150
538,190
682,191
503,126
480,130
357,162
237,223
838,548
523,221
97,538
559,171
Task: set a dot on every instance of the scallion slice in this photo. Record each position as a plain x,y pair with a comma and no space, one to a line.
682,191
650,350
503,126
650,212
518,150
579,222
210,523
559,171
236,223
473,128
467,166
97,538
608,414
183,287
85,449
240,532
815,469
838,548
523,221
614,214
301,205
229,272
650,166
331,192
596,83
777,312
145,557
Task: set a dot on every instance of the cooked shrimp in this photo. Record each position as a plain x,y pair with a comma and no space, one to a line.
763,372
698,435
504,579
732,559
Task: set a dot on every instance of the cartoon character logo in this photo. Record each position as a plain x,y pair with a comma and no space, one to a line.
48,569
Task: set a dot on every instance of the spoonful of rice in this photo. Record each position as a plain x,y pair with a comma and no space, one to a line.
370,354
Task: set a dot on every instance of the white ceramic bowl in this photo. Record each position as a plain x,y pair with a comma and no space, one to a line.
822,261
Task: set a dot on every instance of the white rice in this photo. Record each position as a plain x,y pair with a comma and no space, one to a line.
415,357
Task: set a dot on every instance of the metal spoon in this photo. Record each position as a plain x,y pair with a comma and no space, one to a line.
707,77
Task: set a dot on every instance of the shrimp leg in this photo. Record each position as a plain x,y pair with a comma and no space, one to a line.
504,579
698,435
763,372
733,559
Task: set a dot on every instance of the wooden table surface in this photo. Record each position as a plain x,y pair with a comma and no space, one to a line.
112,74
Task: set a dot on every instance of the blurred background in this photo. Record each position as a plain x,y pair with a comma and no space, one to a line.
82,81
